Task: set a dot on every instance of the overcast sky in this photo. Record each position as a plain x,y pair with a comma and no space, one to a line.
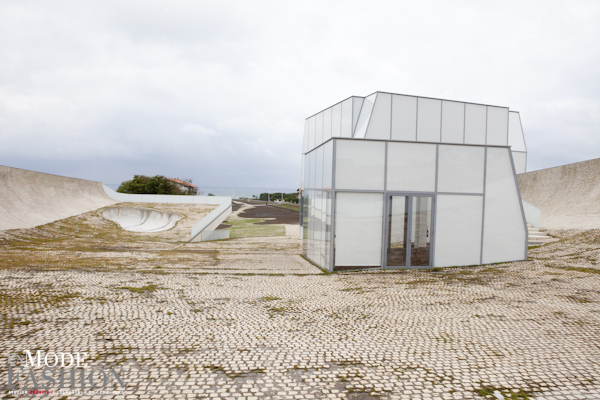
218,90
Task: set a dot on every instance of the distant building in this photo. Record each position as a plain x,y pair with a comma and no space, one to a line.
395,181
184,186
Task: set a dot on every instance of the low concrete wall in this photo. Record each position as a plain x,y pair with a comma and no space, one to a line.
164,198
568,196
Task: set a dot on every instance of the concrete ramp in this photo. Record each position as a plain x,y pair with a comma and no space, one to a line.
140,219
29,199
568,196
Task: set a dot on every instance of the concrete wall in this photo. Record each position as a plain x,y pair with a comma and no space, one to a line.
29,199
568,196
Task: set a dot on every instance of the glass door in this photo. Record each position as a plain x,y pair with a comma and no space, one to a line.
409,231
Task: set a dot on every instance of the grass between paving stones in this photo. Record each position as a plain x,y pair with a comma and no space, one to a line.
246,227
511,394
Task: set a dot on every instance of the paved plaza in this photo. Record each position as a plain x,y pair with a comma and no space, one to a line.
249,318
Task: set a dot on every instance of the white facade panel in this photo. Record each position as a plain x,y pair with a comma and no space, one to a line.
312,158
327,164
347,118
357,103
520,160
461,169
319,128
305,140
475,123
458,230
359,164
379,126
319,168
497,126
429,115
326,124
404,118
312,132
365,116
302,162
336,120
515,132
358,227
453,122
504,229
411,167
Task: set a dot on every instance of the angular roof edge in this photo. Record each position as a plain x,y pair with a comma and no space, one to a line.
408,95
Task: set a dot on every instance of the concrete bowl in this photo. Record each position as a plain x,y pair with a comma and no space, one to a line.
140,219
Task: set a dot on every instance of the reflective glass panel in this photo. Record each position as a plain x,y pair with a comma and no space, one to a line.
397,229
421,229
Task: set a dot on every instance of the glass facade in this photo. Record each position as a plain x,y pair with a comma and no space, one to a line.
395,181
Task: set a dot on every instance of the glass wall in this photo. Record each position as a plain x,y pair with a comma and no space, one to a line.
475,123
461,169
379,126
504,234
429,114
358,230
359,165
458,230
411,167
453,122
404,118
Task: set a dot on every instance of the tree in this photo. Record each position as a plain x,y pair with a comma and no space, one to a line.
141,184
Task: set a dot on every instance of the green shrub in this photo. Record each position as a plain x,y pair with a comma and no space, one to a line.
141,184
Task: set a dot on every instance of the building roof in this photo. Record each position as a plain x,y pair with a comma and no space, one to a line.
184,183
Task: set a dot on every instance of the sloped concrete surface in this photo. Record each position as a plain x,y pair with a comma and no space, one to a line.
29,199
568,196
141,220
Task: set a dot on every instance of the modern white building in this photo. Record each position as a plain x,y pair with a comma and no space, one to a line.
396,181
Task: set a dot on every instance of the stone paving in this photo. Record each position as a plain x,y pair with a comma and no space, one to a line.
251,319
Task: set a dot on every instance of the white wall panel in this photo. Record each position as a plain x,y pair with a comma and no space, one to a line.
458,230
311,133
311,169
404,118
504,228
411,167
520,160
327,164
453,122
475,124
379,126
497,126
461,169
429,114
319,168
365,116
358,229
515,132
305,139
347,118
304,166
357,103
336,120
319,128
359,164
326,124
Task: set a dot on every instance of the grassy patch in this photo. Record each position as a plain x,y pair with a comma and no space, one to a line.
488,393
143,289
247,227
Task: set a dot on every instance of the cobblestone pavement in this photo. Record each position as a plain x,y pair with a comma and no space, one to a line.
250,319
